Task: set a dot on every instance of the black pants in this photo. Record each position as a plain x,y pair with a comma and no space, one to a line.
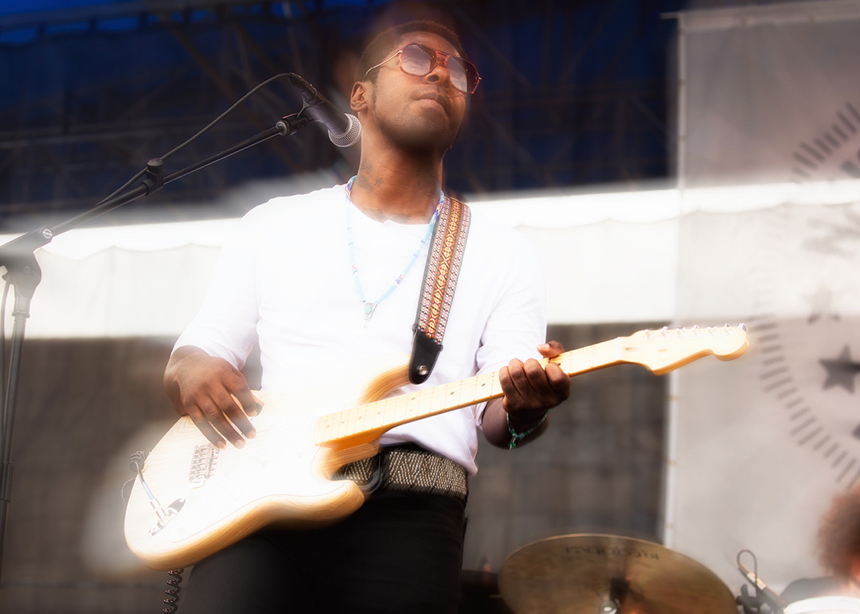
399,553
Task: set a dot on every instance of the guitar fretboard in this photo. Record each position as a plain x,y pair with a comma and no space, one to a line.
379,416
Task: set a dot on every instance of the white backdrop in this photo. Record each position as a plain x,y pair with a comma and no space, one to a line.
759,447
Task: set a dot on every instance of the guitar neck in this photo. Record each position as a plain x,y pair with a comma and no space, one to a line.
368,421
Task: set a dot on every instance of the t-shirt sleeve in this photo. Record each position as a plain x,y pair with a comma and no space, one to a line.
517,323
226,324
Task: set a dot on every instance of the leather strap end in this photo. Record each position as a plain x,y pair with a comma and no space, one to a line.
425,351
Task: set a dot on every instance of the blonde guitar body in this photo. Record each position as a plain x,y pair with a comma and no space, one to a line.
279,478
192,499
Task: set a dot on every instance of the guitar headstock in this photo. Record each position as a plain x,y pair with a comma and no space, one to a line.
669,348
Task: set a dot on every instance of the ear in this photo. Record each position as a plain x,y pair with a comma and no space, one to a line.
358,98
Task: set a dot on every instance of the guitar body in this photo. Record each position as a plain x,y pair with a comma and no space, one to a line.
213,498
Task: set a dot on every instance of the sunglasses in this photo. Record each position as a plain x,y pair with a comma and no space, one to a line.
420,60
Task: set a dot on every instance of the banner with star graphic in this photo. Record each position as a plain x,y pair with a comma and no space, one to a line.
759,447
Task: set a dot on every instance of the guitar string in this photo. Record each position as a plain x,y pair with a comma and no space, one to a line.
473,386
572,362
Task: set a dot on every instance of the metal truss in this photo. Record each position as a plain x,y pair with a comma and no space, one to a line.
136,79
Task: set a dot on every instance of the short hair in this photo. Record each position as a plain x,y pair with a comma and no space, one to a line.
384,43
839,533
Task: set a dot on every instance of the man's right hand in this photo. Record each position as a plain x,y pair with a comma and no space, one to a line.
213,393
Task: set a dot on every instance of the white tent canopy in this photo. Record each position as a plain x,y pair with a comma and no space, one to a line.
608,257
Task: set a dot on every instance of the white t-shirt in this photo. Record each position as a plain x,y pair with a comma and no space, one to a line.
286,282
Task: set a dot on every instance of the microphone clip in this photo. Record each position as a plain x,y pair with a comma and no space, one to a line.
290,124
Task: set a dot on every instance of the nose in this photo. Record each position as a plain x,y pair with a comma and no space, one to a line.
440,74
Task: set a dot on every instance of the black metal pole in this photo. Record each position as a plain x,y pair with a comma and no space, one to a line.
25,274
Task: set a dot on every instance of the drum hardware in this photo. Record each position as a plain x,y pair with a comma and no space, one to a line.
764,595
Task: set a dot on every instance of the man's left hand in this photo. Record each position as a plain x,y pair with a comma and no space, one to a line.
530,391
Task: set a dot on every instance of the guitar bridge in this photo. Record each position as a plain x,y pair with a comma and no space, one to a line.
204,461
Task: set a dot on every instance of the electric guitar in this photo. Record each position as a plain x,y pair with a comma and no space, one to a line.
192,499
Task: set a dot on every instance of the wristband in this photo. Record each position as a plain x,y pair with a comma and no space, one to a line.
516,438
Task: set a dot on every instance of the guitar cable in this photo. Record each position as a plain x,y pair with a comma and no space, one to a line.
172,591
174,578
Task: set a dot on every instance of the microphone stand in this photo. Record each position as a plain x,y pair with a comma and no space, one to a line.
23,272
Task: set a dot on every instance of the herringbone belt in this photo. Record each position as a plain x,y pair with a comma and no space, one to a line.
407,468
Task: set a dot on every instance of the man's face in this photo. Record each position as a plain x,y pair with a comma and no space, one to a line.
417,112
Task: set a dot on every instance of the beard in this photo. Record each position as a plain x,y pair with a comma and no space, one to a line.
417,133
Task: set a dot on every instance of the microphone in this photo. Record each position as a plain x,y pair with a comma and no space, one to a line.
776,603
343,129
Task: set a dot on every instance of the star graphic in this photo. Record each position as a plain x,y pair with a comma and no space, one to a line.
840,372
821,303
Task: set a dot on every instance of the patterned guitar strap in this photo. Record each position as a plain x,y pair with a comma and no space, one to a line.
437,292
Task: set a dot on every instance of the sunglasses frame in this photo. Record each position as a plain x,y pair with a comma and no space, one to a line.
437,58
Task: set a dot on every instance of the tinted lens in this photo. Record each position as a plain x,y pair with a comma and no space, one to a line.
459,75
415,61
418,61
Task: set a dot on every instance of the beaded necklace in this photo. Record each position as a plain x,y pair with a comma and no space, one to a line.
370,307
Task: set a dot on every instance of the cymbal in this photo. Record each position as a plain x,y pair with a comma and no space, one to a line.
608,574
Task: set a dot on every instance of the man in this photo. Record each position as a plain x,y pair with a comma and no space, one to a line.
324,283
